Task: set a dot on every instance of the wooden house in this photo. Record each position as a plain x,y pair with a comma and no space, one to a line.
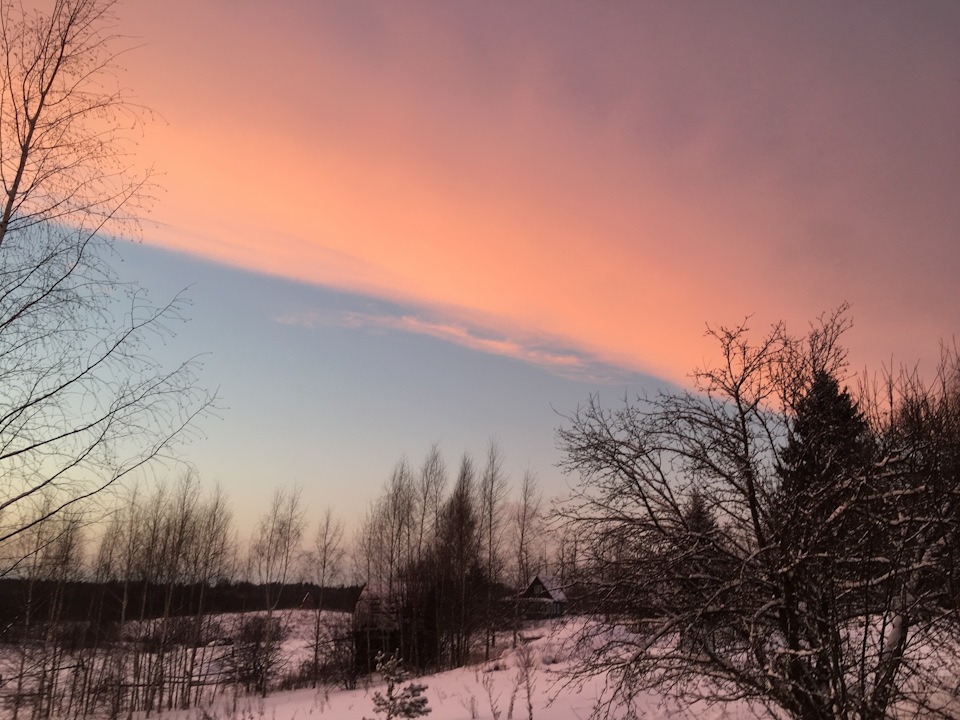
543,598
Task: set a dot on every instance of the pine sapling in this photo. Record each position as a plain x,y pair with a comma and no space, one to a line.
405,702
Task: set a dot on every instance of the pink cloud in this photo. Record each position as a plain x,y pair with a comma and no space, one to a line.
612,177
527,349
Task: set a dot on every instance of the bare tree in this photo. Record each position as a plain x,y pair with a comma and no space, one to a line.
762,539
84,402
274,553
50,551
460,569
493,493
397,512
526,528
275,548
65,121
424,574
394,545
567,558
329,551
326,560
433,481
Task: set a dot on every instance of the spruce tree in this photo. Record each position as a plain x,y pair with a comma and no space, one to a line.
405,702
828,440
823,469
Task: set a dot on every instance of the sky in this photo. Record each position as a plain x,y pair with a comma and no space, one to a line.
413,223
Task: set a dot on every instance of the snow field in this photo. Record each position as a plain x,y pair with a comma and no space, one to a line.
523,679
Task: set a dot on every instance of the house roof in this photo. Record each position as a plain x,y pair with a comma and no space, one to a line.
550,585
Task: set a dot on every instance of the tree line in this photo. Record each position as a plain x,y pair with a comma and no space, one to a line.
444,569
128,614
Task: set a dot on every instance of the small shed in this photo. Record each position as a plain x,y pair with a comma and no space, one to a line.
543,597
377,623
378,607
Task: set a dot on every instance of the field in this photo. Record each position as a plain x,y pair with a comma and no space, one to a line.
522,683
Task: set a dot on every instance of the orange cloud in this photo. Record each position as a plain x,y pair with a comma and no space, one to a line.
615,193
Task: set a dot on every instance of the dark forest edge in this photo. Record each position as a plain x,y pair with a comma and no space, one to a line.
108,598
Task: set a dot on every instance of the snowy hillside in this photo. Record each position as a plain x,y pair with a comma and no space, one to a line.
522,683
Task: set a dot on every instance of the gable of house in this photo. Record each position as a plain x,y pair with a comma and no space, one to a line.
544,594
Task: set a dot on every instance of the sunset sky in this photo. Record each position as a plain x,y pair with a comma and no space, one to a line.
409,223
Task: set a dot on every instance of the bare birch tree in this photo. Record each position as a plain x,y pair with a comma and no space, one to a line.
274,553
326,560
424,575
85,403
430,489
526,529
493,493
460,568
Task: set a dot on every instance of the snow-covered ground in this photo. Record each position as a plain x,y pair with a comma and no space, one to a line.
497,690
521,683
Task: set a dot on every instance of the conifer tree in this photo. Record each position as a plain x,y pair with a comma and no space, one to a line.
405,702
